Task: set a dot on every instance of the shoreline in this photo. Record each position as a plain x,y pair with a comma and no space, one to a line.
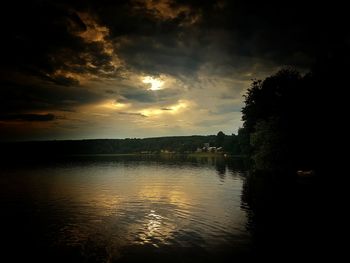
205,154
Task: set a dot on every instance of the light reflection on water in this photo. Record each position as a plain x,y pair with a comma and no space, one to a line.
102,208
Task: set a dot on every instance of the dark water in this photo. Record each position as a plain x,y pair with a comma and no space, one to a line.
124,210
131,210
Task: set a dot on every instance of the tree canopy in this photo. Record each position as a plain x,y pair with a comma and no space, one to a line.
281,120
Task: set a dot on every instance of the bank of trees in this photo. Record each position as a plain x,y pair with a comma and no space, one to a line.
176,144
284,116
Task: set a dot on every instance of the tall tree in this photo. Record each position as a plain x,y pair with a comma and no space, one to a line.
279,119
220,139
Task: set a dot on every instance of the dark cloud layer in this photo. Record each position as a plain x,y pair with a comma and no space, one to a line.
27,117
57,55
42,96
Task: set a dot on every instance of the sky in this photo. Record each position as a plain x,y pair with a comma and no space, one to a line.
126,69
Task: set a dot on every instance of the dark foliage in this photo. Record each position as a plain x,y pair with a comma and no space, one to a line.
178,144
282,120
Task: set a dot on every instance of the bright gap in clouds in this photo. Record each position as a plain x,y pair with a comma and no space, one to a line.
156,84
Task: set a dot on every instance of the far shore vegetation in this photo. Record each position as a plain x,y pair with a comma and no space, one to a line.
211,145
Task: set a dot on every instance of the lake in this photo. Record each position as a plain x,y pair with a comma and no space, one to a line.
114,209
152,209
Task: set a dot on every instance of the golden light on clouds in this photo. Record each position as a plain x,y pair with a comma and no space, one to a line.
82,78
166,9
94,32
173,109
113,105
182,104
155,83
103,108
97,33
151,112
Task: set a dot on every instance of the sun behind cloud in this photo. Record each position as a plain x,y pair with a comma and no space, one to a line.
155,83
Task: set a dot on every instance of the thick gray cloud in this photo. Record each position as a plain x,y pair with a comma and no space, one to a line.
27,117
43,96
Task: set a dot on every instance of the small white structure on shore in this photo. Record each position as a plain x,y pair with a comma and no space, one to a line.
207,148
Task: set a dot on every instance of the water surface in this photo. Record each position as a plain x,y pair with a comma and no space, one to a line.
125,210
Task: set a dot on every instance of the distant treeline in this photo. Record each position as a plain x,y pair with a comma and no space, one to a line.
176,144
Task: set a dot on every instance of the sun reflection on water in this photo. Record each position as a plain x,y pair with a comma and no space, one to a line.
153,231
143,205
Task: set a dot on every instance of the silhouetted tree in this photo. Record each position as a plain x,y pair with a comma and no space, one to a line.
220,139
280,121
244,141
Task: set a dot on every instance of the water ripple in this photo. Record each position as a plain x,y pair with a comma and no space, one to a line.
118,205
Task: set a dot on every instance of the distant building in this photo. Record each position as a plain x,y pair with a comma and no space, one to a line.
206,148
211,149
166,151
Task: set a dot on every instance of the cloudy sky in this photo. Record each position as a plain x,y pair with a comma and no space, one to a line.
143,68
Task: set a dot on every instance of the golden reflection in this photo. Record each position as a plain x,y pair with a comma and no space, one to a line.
170,196
152,229
156,227
140,206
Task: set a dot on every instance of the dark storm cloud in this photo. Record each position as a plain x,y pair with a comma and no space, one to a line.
156,39
61,80
42,37
149,55
44,57
23,97
271,32
39,34
35,30
27,117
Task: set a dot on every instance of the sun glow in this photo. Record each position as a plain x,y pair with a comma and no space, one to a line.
113,105
155,83
180,105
